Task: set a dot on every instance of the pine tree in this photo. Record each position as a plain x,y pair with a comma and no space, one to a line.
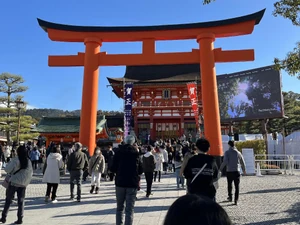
11,86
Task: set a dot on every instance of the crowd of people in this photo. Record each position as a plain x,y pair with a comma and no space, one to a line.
194,169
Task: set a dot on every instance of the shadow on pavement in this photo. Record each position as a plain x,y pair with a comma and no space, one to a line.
294,217
272,190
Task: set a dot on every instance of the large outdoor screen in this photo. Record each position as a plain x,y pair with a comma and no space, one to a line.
251,94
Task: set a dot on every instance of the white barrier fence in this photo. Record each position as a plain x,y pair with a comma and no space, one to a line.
287,164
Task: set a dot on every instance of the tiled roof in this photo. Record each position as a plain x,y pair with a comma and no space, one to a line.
160,74
65,124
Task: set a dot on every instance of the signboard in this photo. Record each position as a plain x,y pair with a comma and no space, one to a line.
248,154
250,95
192,88
127,107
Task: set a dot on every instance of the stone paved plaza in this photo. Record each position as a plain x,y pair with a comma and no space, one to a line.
264,200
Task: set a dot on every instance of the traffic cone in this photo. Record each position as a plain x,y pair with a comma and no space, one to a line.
258,172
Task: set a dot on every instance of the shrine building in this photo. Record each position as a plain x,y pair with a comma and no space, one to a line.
65,130
161,104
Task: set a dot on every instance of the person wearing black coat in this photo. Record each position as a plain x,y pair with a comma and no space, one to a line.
127,166
2,159
148,167
202,182
110,158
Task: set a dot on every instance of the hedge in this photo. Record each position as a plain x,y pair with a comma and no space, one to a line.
258,146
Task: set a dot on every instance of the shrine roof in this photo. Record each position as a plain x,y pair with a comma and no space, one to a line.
65,124
45,25
116,121
160,74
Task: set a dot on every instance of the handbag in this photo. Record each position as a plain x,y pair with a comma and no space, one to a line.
6,181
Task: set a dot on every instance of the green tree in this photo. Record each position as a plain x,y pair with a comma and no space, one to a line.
11,86
289,9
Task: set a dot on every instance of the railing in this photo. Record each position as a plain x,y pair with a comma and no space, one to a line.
287,164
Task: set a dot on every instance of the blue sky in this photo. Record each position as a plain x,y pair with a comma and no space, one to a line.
24,46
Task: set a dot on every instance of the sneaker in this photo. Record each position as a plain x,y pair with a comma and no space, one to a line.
72,198
54,201
229,199
235,202
46,199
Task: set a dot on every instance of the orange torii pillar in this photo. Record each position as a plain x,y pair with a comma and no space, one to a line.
209,87
88,120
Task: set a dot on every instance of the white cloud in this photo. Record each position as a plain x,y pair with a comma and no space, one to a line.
31,107
27,106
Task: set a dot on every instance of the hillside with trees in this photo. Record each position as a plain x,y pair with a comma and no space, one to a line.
37,114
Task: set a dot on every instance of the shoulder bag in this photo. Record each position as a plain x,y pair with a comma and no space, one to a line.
203,167
6,181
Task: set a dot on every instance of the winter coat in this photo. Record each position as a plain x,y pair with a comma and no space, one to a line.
165,155
21,178
54,163
77,161
2,157
97,164
110,158
148,163
159,159
128,167
35,155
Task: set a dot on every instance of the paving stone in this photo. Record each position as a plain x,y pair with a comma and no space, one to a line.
263,201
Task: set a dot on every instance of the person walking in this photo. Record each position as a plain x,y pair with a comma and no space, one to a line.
127,166
34,157
186,158
148,167
2,160
159,159
233,159
110,159
178,159
164,152
201,171
52,175
96,168
77,163
20,169
86,171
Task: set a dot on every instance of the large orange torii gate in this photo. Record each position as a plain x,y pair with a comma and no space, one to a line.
205,34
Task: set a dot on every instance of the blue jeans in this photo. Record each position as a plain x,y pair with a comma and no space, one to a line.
179,179
128,195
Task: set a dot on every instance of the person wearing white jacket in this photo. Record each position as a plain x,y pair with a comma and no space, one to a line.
52,175
20,170
159,159
164,152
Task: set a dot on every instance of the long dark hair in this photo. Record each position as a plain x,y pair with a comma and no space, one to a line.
23,157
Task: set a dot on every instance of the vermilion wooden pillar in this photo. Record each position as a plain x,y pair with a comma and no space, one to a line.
88,121
210,98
